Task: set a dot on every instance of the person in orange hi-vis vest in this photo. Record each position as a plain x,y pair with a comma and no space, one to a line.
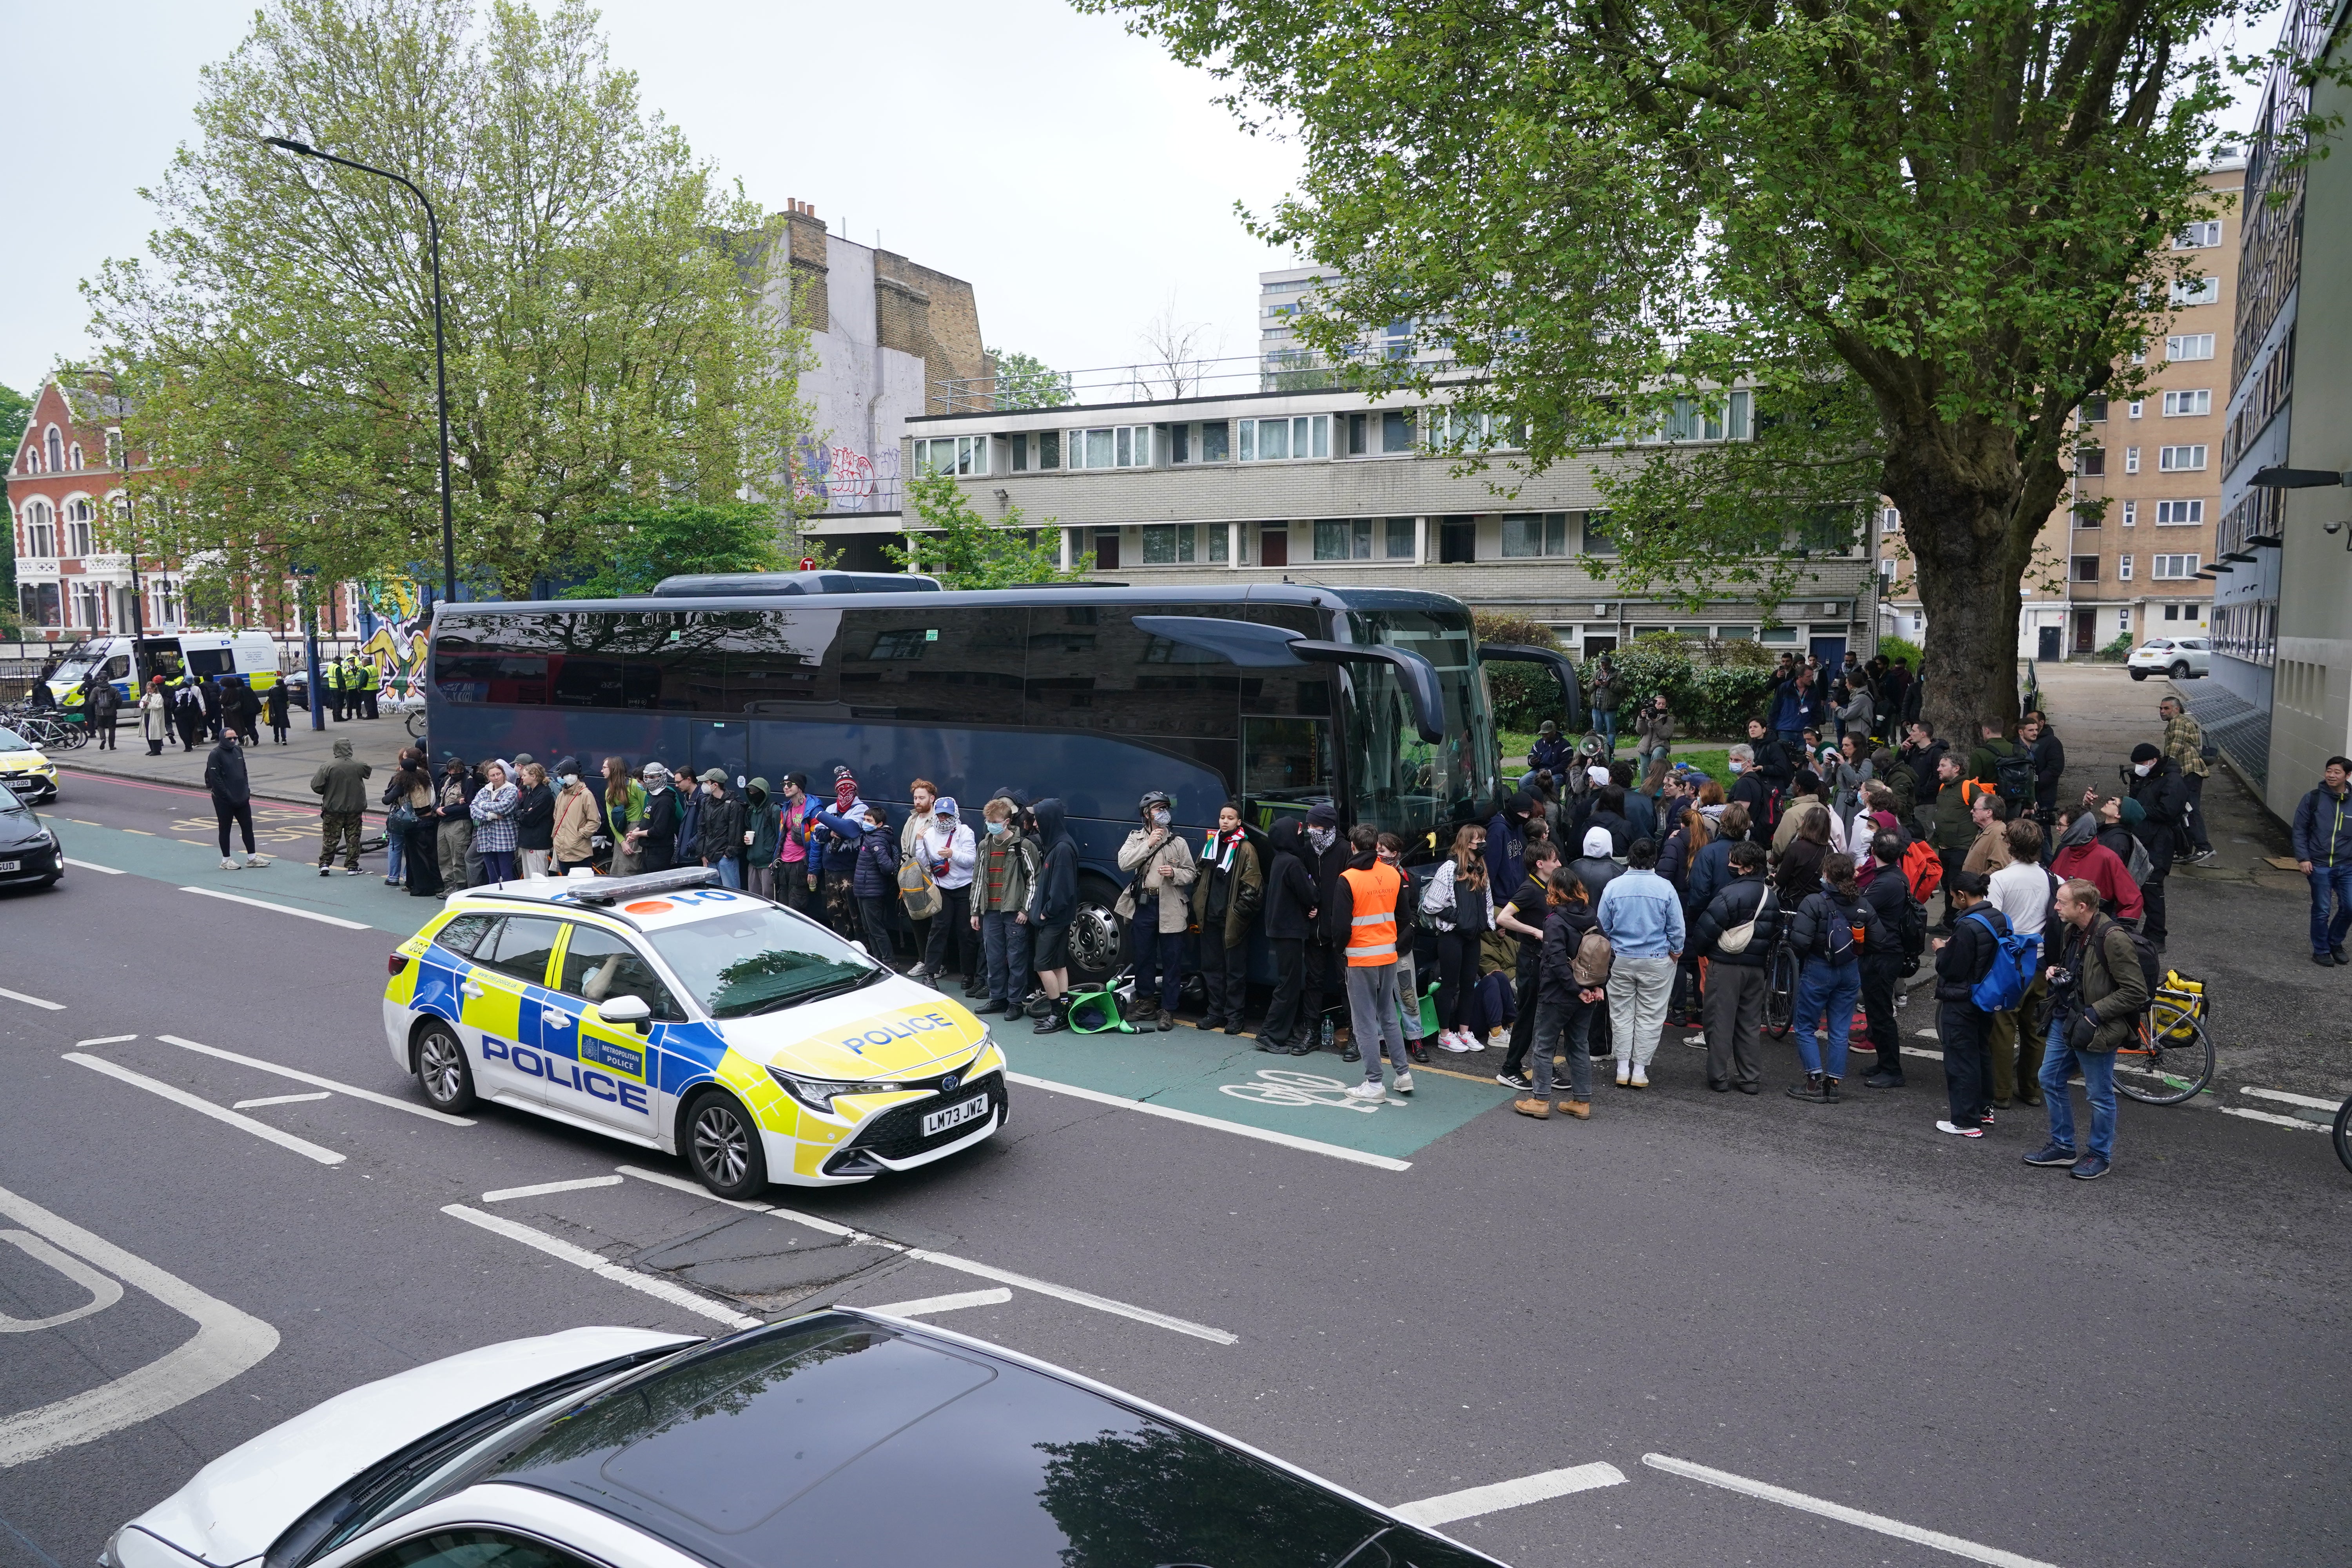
1362,921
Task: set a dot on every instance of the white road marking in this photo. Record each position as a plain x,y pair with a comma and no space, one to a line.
675,1294
104,1292
281,909
94,866
298,1076
1839,1511
31,1001
1264,1135
107,1040
279,1100
1431,1512
503,1194
928,1304
948,1260
178,1096
227,1342
2307,1102
2270,1118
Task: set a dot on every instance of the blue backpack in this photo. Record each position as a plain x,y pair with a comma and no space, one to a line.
2013,957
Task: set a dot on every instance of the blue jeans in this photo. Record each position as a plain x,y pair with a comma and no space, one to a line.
2061,1061
1831,988
1606,723
395,847
730,871
2328,933
1006,943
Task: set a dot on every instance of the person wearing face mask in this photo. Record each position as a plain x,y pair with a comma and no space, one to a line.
843,826
796,868
2155,784
573,839
1326,986
949,854
1290,909
718,831
1157,908
1000,904
654,840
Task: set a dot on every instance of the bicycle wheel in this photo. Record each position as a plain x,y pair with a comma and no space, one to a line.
2158,1068
2343,1134
417,723
1780,994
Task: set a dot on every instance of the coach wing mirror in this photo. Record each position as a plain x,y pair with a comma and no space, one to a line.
1414,673
1244,643
626,1013
1563,669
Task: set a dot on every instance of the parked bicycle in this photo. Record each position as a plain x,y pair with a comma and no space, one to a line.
2170,1059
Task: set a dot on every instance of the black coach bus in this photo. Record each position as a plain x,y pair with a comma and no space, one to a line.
1278,695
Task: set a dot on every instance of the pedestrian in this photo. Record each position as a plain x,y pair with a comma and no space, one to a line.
1889,897
2097,992
796,851
155,716
2021,889
534,821
232,800
1227,893
718,838
924,794
1792,699
2323,853
330,673
1009,861
2048,756
2081,853
1962,959
1053,905
838,855
1691,836
1522,917
1603,704
413,818
760,839
950,854
1573,971
454,841
1948,823
1506,841
493,812
1988,852
1157,908
100,707
342,788
1290,912
1754,788
273,708
1984,770
1654,727
1325,987
1608,812
1460,903
1858,714
2184,744
654,840
2156,784
371,680
1829,933
248,710
1549,753
622,814
874,877
572,826
1734,932
1798,874
1364,923
1642,918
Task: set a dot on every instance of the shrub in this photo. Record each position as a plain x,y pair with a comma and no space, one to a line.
2115,651
1524,695
1904,649
1708,699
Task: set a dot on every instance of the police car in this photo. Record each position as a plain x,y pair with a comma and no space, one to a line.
676,1014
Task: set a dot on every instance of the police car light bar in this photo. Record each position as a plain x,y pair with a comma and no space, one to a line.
613,889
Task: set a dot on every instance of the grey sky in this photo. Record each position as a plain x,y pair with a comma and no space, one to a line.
1078,178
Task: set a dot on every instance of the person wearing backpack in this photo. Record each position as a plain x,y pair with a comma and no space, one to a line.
2003,767
1963,960
1888,895
2098,990
2021,891
2081,853
1831,930
1735,934
1574,972
1157,905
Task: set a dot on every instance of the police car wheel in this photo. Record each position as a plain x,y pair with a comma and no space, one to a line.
722,1144
441,1068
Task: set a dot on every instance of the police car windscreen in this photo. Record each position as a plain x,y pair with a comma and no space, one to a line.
757,958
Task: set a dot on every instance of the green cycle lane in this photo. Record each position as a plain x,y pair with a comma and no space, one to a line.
1221,1076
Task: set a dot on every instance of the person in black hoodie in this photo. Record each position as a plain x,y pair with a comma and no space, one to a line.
2155,781
232,799
1962,959
1823,936
1889,897
1736,982
1053,905
718,839
1524,917
1325,858
1608,812
1290,910
1564,1005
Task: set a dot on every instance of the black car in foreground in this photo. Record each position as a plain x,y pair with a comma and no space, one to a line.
30,855
842,1439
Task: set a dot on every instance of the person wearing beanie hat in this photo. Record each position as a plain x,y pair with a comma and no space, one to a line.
2153,783
843,826
1962,959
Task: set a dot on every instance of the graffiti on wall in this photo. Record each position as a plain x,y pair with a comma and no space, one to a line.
841,479
398,624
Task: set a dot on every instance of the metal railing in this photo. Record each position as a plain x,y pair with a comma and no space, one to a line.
1284,369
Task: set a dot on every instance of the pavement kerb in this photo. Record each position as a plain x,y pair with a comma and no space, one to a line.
126,776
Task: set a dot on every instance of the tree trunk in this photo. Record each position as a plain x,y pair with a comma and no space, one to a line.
1969,519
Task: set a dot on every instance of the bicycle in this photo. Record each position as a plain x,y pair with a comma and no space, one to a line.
1781,972
2170,1055
2344,1133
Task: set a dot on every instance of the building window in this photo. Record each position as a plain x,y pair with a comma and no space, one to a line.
2134,407
2199,236
1049,449
2091,462
1396,430
2180,404
1343,538
1117,447
1168,543
1220,542
1016,447
2189,345
1179,443
2179,460
2123,571
1735,634
163,605
2175,566
1474,432
2131,514
73,457
1889,521
963,455
2131,459
40,530
2093,410
2204,291
79,515
57,450
2123,620
1535,534
1278,440
88,604
1399,538
1596,534
2178,513
114,449
2086,569
1105,549
1216,445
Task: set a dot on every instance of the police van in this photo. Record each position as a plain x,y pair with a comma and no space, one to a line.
669,1013
252,656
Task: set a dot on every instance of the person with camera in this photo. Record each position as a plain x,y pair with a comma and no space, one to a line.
2097,992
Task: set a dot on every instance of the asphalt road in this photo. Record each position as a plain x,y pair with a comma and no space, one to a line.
1835,1301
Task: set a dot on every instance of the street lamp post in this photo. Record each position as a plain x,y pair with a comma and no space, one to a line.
440,349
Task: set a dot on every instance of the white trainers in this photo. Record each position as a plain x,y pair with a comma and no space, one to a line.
1367,1090
1404,1083
256,862
1640,1077
227,864
1459,1044
1625,1073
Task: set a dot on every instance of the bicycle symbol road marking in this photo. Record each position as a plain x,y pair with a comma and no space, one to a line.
1276,1086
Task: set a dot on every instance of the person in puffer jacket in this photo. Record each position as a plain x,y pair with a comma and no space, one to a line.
1822,935
874,880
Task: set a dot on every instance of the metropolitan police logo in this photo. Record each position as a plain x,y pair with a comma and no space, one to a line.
948,1084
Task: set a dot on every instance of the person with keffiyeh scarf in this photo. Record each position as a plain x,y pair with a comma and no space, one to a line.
1225,896
845,824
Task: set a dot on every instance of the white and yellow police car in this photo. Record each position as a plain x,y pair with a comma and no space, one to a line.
675,1014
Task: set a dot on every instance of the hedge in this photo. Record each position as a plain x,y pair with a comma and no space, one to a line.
1715,694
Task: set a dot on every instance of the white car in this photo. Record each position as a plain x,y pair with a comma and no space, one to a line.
2178,658
837,1440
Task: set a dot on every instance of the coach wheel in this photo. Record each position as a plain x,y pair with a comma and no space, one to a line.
441,1068
722,1144
1094,933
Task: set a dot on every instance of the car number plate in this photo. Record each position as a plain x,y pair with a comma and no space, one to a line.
972,1109
11,865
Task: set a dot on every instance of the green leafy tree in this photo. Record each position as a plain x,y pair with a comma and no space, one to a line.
964,550
1025,380
1919,234
650,543
608,343
15,409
